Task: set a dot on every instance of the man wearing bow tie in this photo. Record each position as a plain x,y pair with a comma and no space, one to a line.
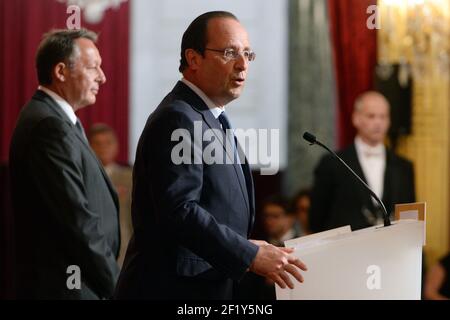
338,199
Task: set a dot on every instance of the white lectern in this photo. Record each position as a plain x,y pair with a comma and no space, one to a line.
373,263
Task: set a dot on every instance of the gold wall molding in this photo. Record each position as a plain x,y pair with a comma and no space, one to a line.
429,144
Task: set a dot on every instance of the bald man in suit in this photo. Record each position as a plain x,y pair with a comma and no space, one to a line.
338,199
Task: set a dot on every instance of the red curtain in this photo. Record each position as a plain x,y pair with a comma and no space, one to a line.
355,56
22,24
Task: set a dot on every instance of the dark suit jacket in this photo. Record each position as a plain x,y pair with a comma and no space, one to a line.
338,199
65,208
191,221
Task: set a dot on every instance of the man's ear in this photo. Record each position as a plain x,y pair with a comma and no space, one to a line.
60,72
193,58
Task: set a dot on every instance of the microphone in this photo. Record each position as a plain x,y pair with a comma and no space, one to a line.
312,140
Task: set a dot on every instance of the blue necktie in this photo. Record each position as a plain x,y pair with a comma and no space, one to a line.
223,119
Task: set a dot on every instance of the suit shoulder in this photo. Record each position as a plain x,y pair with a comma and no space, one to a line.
400,160
52,125
31,126
326,158
345,153
330,164
174,112
178,107
326,162
37,114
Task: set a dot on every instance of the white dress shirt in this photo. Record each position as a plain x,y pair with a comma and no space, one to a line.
216,110
373,164
65,106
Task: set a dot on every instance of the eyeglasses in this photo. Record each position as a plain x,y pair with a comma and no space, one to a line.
232,54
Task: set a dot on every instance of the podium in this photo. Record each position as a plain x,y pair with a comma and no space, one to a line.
373,263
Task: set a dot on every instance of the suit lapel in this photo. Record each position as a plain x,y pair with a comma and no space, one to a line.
212,123
102,170
249,183
354,163
388,179
198,104
41,95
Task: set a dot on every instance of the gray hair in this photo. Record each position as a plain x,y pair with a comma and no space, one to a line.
58,46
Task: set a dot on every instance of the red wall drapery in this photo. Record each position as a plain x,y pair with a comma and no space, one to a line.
22,24
355,56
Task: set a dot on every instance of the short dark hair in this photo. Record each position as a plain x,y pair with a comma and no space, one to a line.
195,36
100,128
58,46
306,192
278,200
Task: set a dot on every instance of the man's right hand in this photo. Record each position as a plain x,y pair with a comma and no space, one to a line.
275,263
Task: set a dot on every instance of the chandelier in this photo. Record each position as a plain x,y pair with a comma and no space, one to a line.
416,34
93,10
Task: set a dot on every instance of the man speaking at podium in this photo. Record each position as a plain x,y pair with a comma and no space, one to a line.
338,199
191,220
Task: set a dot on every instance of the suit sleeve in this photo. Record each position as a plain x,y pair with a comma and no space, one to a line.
177,190
57,168
321,195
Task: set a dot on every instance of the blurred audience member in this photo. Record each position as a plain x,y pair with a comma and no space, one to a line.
103,141
278,224
277,221
437,283
300,207
338,199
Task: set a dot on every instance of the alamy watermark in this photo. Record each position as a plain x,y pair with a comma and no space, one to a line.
374,20
212,146
374,280
74,279
73,22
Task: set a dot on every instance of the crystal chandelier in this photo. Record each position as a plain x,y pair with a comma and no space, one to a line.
417,34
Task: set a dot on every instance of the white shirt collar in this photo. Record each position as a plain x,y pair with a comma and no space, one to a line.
65,106
373,164
216,110
110,168
290,234
363,149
